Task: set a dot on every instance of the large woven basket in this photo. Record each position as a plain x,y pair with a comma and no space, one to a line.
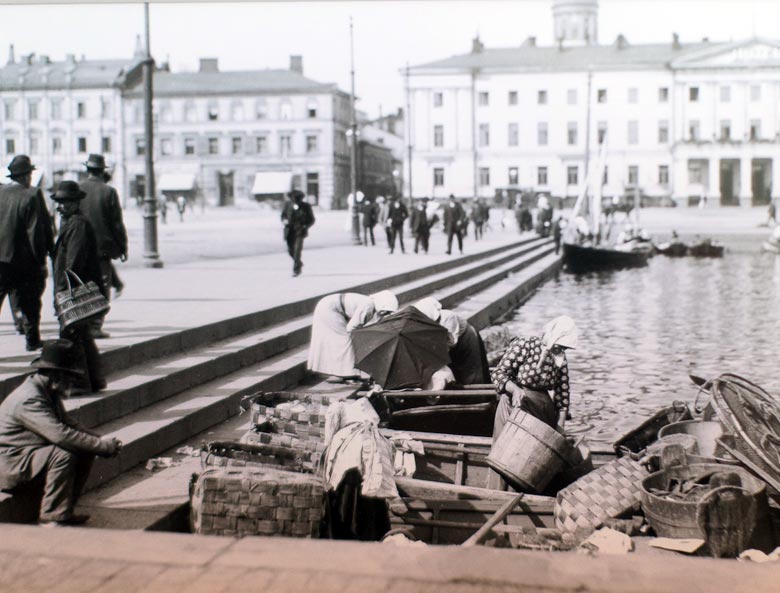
256,501
612,490
270,417
80,303
304,446
236,454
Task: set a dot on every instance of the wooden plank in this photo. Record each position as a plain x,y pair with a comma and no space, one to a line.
459,475
414,488
438,437
495,519
542,507
444,393
459,448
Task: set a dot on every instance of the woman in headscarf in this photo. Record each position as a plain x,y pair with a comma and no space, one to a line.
335,317
530,369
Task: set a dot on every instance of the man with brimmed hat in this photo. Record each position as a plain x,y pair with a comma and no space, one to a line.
76,250
26,238
41,448
103,210
297,217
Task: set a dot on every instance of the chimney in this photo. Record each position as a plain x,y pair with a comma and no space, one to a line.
208,65
530,41
28,59
44,60
296,64
705,39
621,42
476,45
139,51
11,56
676,41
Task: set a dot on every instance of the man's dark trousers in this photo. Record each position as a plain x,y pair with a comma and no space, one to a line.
295,248
29,286
397,231
449,241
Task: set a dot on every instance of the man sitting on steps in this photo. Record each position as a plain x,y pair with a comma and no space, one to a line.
40,446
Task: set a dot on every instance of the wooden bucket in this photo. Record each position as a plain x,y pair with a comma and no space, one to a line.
528,453
706,435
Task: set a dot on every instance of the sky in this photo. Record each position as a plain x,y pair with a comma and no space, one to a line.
387,34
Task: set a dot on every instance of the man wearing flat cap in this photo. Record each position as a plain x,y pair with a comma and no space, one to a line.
103,210
76,250
41,447
297,217
26,238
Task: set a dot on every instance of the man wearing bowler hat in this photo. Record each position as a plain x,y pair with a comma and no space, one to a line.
26,238
104,212
297,217
41,448
76,250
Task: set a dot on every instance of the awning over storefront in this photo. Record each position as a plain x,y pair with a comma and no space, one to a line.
272,182
176,182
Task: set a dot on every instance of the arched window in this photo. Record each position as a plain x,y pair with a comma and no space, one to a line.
285,110
311,108
237,111
190,113
261,109
213,110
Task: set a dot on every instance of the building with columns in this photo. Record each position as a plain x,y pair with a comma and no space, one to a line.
679,122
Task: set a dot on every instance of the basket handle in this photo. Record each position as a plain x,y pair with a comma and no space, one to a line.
68,274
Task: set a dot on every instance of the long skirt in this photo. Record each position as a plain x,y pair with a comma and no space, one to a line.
469,359
330,350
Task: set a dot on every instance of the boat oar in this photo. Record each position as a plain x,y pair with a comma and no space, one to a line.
497,517
702,384
698,381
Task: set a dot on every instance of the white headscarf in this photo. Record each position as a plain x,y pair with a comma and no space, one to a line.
384,301
430,307
561,331
454,324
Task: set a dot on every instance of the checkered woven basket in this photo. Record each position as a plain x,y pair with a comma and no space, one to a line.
304,446
256,501
611,490
310,423
278,456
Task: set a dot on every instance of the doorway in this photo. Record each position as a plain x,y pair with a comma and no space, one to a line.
761,181
729,182
225,183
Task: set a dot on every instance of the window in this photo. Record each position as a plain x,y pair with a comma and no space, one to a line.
9,109
166,113
237,111
725,94
601,95
438,136
663,131
311,144
602,131
663,94
56,109
725,129
166,146
484,176
81,110
541,97
213,111
313,186
605,176
541,133
484,98
513,176
311,112
633,132
236,145
693,130
693,94
190,112
189,146
35,143
541,175
105,107
261,144
755,92
138,113
438,99
633,175
213,145
663,174
572,174
140,147
484,134
105,144
261,109
512,98
571,133
513,135
10,146
285,144
32,109
571,96
633,95
285,110
755,129
695,172
56,145
438,177
81,144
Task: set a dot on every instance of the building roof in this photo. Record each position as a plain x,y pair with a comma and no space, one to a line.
33,74
182,84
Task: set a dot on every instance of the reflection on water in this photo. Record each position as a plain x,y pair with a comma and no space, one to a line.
642,331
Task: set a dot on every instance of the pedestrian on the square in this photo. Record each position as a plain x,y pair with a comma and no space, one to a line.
420,225
772,213
368,215
104,212
162,206
297,217
76,251
557,232
454,217
382,209
181,206
478,217
26,238
396,215
42,450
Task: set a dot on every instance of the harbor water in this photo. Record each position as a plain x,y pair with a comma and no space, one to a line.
642,331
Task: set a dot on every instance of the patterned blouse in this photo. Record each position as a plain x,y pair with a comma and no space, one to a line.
519,365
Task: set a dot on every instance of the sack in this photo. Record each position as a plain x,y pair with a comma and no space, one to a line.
79,304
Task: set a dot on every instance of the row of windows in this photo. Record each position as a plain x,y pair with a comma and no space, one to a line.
632,95
572,175
11,110
57,145
238,145
191,112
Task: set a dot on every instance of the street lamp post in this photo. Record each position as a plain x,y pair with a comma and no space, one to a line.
151,257
352,134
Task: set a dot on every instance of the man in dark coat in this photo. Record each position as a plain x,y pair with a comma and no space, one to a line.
26,238
396,215
454,219
297,217
41,448
104,212
76,250
420,225
368,213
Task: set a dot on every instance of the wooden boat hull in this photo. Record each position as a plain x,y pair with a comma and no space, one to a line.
676,249
579,258
706,250
459,412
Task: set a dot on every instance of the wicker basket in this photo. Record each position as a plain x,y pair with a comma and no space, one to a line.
277,456
79,304
271,418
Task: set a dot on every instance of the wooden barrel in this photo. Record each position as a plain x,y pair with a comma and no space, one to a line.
528,453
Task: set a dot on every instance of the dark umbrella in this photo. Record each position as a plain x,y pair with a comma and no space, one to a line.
402,350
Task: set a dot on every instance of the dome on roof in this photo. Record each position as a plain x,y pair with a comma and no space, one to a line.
576,21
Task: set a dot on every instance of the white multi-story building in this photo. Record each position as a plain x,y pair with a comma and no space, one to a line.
679,121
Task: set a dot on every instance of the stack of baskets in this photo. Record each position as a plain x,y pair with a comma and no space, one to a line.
236,455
